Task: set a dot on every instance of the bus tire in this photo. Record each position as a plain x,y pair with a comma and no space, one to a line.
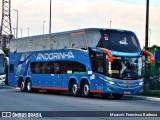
86,90
75,90
29,87
117,96
22,86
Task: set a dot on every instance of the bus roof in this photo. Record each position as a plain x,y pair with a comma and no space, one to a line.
81,39
70,31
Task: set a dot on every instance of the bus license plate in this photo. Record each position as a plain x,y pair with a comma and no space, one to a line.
127,92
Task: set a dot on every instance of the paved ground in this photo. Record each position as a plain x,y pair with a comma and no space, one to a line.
13,100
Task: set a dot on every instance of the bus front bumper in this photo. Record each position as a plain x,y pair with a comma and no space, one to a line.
123,90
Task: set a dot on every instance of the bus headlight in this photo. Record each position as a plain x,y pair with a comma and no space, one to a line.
140,84
110,82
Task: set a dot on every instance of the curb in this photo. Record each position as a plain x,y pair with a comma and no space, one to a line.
148,98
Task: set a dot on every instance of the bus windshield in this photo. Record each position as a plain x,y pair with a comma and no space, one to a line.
125,68
1,64
122,41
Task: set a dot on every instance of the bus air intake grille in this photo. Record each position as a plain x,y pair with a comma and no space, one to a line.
127,85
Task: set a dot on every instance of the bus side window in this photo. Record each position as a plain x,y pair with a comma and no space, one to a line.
97,62
64,66
11,68
45,69
78,67
36,68
56,67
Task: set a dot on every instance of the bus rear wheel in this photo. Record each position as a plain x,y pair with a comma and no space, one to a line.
22,86
75,90
86,90
29,87
117,96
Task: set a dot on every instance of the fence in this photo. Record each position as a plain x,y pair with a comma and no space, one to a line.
152,83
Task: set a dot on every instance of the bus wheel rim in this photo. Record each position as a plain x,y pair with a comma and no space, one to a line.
29,86
86,89
74,88
22,85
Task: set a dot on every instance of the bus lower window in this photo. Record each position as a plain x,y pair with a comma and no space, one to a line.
57,67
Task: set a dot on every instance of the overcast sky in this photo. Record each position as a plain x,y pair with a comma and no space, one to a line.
77,14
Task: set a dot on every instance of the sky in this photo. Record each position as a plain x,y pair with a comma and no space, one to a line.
33,17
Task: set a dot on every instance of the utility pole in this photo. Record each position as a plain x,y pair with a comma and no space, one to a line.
110,24
147,24
16,23
28,31
50,16
5,27
146,44
43,26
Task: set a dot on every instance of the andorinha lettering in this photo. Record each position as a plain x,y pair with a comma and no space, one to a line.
51,56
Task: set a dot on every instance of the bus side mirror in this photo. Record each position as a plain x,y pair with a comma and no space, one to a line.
108,52
145,52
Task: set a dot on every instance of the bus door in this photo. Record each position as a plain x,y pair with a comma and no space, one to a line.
45,74
54,74
11,74
54,80
65,73
98,64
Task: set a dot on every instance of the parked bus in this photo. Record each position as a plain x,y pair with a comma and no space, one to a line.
85,62
3,63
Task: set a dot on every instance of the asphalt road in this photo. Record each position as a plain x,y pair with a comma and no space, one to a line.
13,100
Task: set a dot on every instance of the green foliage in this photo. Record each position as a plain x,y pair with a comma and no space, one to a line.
6,51
153,93
155,47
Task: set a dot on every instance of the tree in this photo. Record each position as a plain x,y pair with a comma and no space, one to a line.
6,51
155,47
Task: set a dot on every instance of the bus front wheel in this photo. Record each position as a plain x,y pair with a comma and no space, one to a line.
86,90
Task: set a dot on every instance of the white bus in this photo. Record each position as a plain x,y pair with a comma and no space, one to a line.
3,63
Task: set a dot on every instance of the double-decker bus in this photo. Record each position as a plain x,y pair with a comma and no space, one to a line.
3,62
85,62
